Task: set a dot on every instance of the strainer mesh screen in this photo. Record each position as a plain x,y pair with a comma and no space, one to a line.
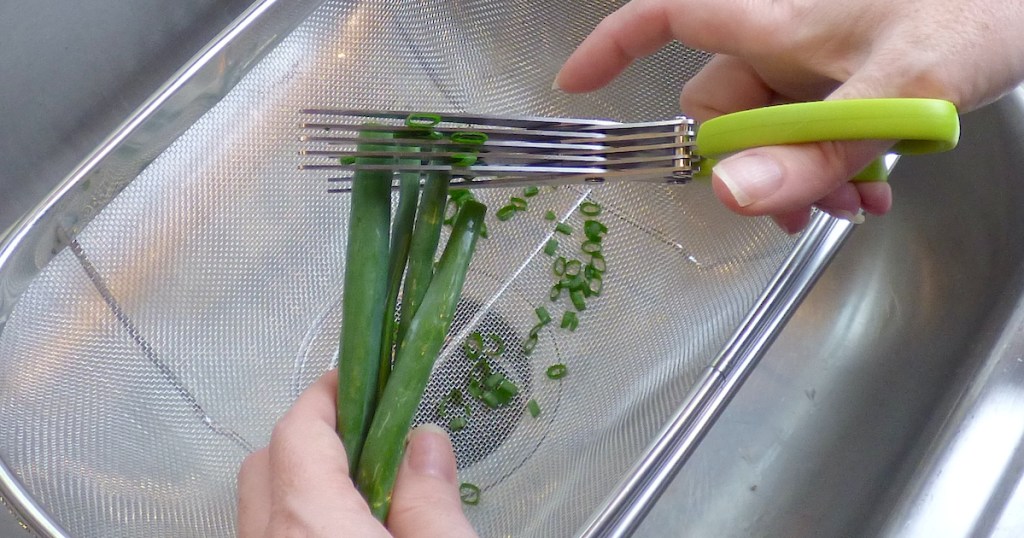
151,356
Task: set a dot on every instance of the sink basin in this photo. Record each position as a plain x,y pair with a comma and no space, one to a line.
892,404
889,405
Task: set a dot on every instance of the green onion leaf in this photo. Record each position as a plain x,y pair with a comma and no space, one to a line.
533,407
597,262
499,345
457,423
531,191
543,315
468,138
557,371
518,203
594,230
469,493
422,120
558,268
591,247
551,247
506,212
531,342
570,320
556,292
563,228
463,160
578,300
550,215
590,209
573,268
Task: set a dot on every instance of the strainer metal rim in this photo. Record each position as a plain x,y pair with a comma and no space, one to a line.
42,233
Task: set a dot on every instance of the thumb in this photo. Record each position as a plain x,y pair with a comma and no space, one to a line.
426,500
773,180
776,180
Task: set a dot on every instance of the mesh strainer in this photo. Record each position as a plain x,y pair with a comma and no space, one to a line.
162,309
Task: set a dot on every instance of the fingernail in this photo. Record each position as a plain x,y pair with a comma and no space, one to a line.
856,218
749,178
555,85
430,452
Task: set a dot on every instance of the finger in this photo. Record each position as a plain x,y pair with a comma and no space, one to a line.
309,469
726,84
254,495
875,197
426,501
779,179
844,202
641,27
793,221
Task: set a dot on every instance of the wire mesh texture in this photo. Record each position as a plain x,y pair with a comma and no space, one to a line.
147,359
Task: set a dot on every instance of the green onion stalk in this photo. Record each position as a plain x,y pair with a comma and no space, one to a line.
414,361
365,292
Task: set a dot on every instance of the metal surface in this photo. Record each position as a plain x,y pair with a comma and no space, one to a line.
168,302
891,404
515,150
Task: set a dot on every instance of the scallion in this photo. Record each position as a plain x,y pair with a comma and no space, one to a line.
550,215
506,212
531,191
590,209
578,300
563,228
594,230
533,407
531,343
570,320
469,493
518,203
543,315
551,247
559,266
557,371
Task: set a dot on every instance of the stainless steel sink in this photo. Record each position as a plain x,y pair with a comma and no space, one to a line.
892,404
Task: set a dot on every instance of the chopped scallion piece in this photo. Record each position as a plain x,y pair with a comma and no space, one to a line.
422,120
518,203
559,266
463,160
595,285
506,212
563,228
557,371
556,292
457,423
468,138
591,247
594,230
474,345
570,320
578,300
573,268
597,262
543,315
535,330
530,191
499,345
348,160
531,343
551,247
550,215
590,209
469,493
533,407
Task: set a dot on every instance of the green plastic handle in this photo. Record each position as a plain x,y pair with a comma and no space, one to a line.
919,125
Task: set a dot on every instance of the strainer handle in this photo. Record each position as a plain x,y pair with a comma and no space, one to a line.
919,125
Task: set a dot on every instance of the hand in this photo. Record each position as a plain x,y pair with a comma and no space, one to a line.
968,52
300,485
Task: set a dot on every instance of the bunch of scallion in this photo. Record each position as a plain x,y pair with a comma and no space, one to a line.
384,364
